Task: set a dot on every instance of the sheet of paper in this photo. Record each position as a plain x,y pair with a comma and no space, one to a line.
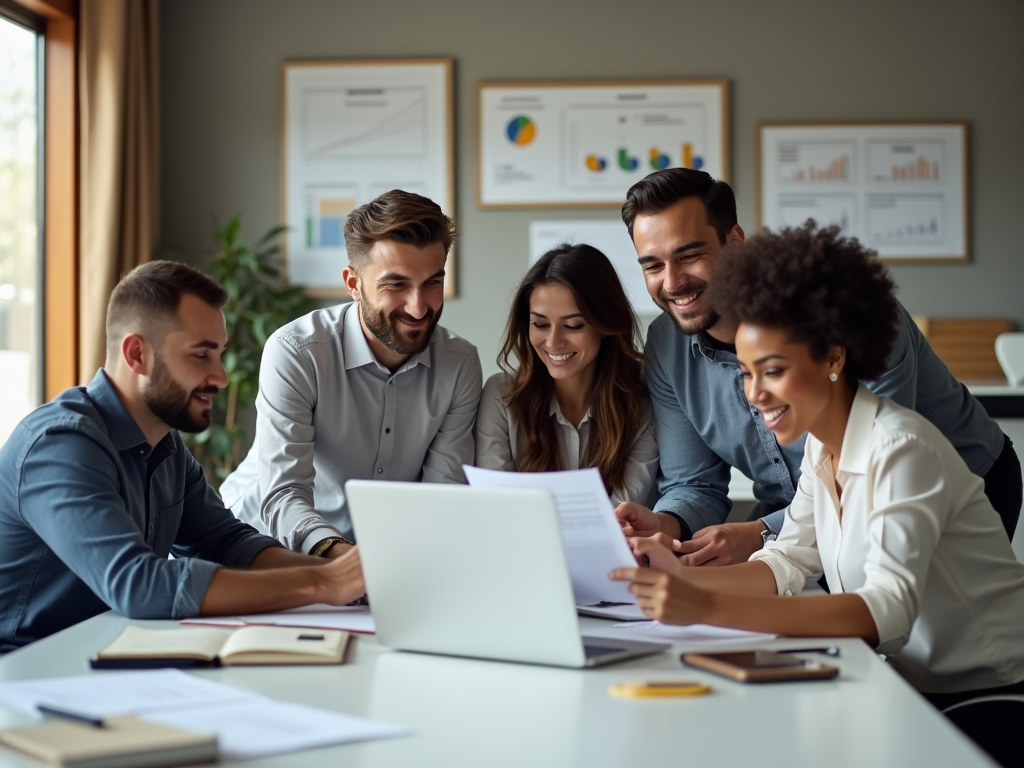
104,694
694,633
260,727
353,619
593,540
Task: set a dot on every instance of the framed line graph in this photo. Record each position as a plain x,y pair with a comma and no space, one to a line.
351,130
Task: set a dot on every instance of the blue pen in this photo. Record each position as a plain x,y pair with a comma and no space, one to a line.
78,717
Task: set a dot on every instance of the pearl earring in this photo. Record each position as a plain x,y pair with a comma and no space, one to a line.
833,376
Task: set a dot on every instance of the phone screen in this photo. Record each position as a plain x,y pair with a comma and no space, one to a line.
758,659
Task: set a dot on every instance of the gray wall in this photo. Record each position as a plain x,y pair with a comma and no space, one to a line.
787,60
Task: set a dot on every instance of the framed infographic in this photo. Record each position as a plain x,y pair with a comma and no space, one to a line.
900,188
582,145
351,130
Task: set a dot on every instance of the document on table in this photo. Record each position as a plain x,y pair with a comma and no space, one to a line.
694,633
119,693
261,726
247,724
593,540
319,616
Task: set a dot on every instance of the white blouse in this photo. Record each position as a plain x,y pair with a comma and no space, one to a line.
500,443
915,536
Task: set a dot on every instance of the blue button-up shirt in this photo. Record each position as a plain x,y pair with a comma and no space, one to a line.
705,424
89,511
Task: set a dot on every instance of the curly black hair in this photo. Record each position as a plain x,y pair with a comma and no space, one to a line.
825,289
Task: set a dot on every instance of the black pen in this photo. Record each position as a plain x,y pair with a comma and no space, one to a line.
78,717
832,650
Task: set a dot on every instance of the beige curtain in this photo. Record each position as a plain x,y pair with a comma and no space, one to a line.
119,157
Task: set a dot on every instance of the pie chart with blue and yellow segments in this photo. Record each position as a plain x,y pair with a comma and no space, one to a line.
521,130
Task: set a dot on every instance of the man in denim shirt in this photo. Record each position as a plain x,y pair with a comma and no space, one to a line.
679,220
97,488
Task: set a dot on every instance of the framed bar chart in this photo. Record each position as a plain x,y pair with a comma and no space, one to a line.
351,130
900,188
582,145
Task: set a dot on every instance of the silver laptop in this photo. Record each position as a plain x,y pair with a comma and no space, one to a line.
476,572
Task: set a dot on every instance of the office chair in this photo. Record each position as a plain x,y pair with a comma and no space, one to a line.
994,724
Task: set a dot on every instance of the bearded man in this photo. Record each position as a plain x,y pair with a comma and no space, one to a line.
97,487
371,389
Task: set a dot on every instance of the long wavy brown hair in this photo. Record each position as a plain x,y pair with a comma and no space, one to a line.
619,389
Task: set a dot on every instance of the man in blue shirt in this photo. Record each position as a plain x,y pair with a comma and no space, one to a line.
679,220
97,488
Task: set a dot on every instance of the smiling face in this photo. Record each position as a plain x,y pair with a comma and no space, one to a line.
401,295
786,384
676,249
566,343
187,371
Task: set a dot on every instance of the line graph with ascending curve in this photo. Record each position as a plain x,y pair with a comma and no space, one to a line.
364,123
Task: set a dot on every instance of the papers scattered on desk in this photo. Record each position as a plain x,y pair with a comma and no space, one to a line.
694,633
119,693
247,724
259,727
349,618
593,540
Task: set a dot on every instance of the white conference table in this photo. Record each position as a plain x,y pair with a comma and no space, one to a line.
483,714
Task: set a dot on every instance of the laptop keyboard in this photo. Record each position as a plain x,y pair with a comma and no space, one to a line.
597,651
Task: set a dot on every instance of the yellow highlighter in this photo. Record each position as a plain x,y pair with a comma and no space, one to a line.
640,688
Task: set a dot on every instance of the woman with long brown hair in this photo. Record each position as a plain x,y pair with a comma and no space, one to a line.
571,393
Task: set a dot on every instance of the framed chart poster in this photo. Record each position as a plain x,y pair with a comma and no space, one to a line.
351,130
579,145
900,188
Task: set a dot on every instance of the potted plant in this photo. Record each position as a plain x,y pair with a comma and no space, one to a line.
259,302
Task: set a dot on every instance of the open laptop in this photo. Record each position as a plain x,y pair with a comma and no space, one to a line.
476,572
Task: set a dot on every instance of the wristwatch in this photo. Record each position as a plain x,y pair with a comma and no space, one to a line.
767,535
320,548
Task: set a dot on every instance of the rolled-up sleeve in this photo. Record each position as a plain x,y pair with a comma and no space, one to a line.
910,502
793,556
453,445
84,521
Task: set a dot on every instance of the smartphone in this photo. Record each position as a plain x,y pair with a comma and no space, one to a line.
760,666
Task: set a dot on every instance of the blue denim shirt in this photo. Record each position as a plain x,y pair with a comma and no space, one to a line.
89,511
705,424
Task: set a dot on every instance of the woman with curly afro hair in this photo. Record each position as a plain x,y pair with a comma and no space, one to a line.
916,557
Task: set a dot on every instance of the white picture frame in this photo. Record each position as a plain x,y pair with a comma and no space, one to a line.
583,144
900,188
351,130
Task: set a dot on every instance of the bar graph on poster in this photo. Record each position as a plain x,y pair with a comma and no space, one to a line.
572,145
351,131
900,189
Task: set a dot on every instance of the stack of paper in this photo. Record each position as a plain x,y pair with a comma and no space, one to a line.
320,616
246,724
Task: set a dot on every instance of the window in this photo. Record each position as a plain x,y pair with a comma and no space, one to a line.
21,267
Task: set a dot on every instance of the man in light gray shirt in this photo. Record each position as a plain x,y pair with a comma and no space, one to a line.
373,389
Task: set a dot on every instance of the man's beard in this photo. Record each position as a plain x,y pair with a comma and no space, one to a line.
170,403
384,329
690,324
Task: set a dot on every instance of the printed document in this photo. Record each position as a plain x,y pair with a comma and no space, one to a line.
705,634
593,541
319,616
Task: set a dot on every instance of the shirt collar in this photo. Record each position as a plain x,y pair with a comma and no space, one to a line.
357,346
701,344
856,450
556,411
121,426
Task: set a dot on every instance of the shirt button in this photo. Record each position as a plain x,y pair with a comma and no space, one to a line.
387,430
380,470
775,460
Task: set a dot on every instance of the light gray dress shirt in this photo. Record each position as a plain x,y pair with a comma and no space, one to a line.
328,412
915,536
500,443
